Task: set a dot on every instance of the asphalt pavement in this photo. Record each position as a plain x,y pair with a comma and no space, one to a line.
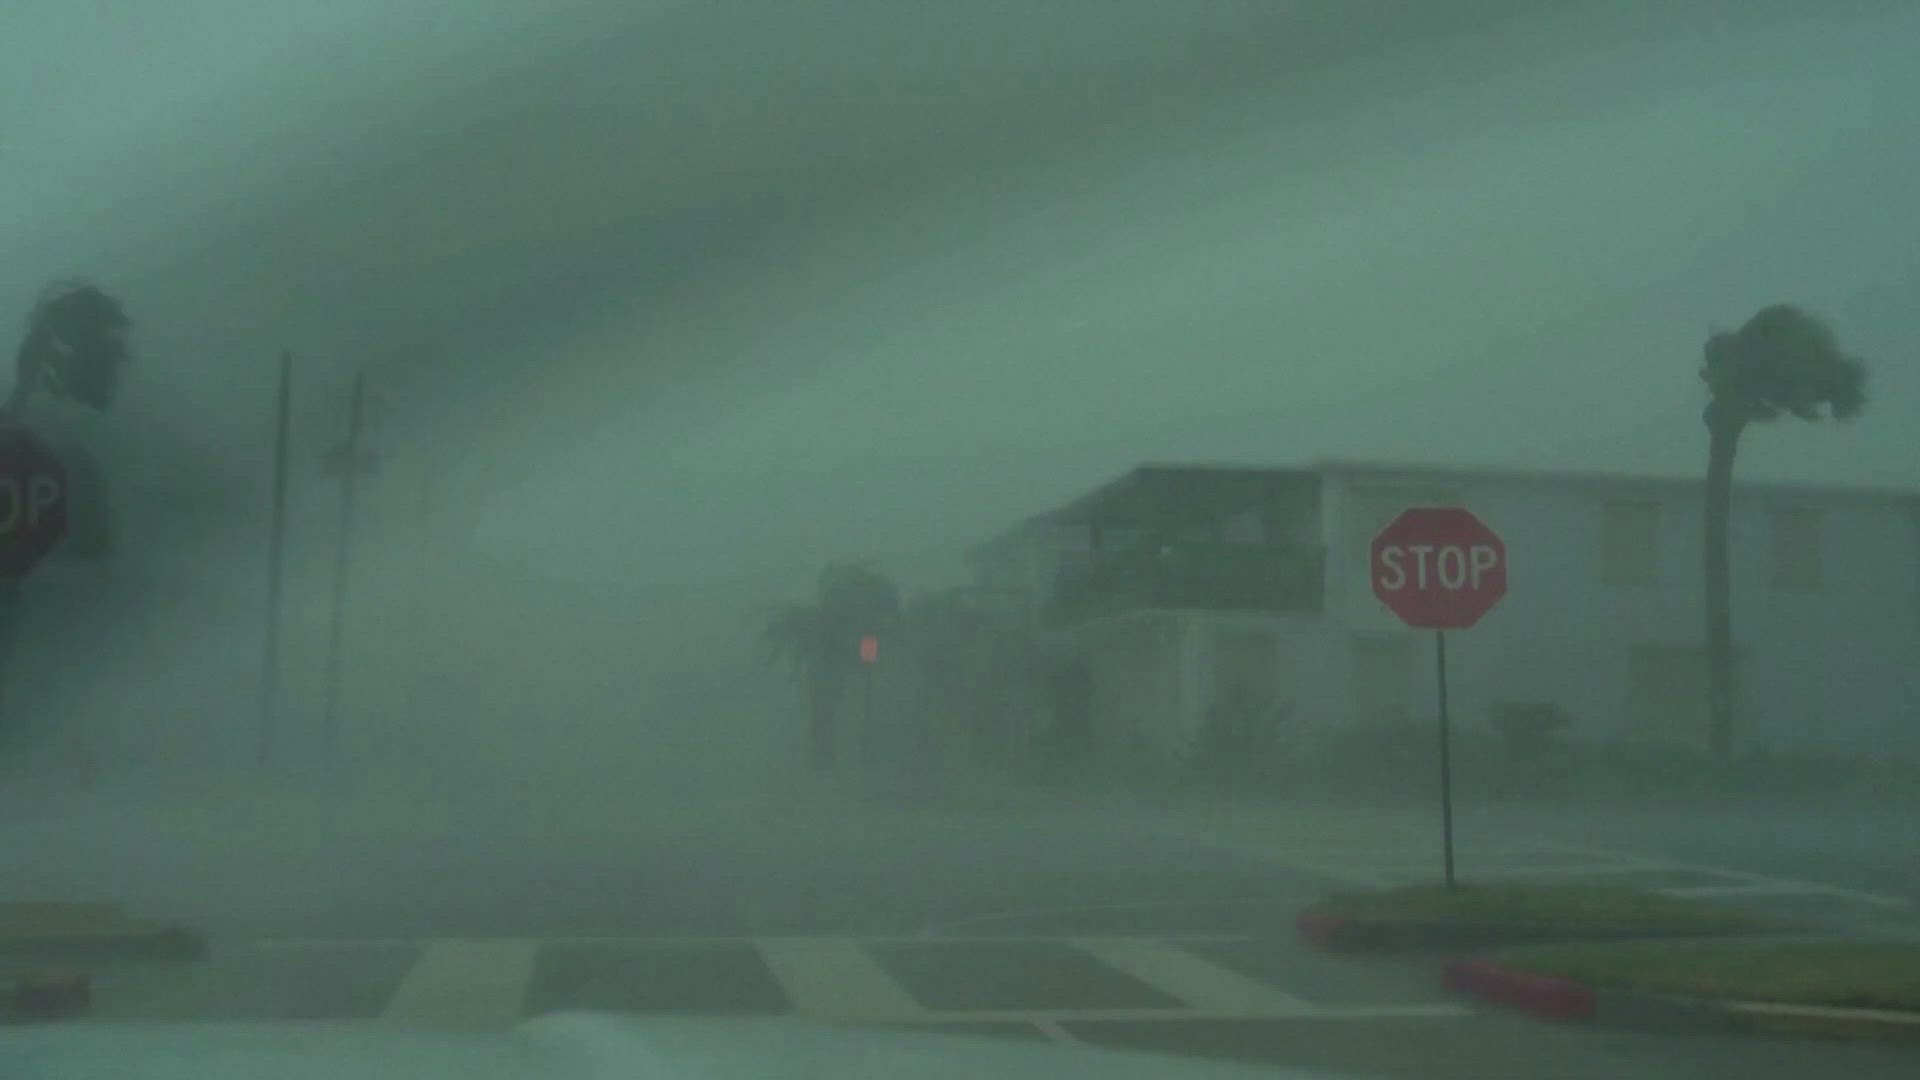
1156,930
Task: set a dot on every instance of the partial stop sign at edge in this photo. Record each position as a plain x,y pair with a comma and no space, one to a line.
1438,567
33,500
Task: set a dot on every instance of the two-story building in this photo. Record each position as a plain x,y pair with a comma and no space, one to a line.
1187,585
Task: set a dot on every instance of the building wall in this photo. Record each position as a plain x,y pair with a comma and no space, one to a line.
1158,673
1299,649
1834,665
1829,665
1139,661
1024,561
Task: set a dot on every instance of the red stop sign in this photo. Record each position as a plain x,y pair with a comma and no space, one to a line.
33,501
1438,567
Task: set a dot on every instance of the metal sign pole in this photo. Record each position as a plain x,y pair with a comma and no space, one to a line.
1446,757
1439,568
276,551
342,563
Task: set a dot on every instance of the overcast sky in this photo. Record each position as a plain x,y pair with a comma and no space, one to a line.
726,288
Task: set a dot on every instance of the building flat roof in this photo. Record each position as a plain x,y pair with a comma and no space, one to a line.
1124,490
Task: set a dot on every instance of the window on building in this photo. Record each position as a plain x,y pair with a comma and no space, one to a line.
1630,542
1796,548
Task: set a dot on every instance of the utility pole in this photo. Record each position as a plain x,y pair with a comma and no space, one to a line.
351,464
276,556
425,658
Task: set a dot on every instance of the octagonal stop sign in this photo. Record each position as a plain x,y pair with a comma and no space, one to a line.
1438,567
33,501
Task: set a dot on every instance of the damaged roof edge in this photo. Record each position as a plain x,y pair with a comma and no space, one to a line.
1867,492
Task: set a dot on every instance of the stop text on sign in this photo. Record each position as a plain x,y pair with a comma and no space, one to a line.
1438,567
1453,567
25,502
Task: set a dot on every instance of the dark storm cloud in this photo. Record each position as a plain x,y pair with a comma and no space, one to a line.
700,260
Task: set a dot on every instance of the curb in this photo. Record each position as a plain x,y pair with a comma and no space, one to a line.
156,944
48,995
1570,1001
1332,932
1544,996
1323,930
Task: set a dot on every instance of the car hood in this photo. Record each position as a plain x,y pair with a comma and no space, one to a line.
567,1046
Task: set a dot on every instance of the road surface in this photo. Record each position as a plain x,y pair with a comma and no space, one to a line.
1156,930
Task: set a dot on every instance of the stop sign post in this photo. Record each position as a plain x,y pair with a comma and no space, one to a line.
1439,568
33,501
869,656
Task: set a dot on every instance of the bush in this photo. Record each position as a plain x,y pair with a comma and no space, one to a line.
1529,727
1241,741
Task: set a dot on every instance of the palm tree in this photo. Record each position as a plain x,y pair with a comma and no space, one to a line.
74,347
75,344
792,635
1781,361
822,640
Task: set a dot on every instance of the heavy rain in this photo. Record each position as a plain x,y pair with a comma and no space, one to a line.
867,513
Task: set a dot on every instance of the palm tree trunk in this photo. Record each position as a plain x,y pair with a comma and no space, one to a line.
1723,440
26,372
823,701
11,411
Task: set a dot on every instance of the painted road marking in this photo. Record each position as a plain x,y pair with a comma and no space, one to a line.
837,979
1028,1016
1900,1017
465,982
1052,1030
488,982
1200,983
1748,889
1784,884
957,930
861,939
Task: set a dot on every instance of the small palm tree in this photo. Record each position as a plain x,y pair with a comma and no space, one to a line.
1782,361
822,640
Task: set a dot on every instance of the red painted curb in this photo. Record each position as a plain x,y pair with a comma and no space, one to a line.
1321,929
1542,995
51,993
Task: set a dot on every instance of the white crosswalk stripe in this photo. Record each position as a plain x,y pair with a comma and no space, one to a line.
1202,984
486,982
457,983
837,979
